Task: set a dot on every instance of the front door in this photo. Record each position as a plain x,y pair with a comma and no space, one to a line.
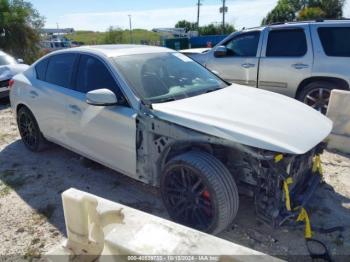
240,65
106,134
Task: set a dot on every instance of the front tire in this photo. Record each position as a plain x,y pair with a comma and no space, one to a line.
30,131
199,192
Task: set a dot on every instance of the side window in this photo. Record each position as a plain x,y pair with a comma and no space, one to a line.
93,74
286,43
41,68
244,45
335,40
60,69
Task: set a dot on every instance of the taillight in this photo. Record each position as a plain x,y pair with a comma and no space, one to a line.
11,82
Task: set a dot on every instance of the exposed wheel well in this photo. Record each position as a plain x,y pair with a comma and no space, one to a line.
238,163
338,82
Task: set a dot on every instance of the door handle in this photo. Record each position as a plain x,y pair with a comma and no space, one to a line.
247,65
299,66
33,94
74,109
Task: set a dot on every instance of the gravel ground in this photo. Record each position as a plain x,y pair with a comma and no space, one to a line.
31,215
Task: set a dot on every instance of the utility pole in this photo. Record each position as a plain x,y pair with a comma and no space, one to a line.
198,13
130,29
223,15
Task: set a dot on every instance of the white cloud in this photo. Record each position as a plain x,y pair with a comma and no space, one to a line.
347,9
242,13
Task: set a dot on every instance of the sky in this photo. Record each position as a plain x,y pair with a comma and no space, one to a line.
98,15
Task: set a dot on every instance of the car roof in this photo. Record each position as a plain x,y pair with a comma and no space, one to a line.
296,23
120,50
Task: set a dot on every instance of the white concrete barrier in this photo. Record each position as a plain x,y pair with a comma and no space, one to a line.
339,112
107,231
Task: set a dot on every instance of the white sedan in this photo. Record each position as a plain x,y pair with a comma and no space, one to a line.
159,117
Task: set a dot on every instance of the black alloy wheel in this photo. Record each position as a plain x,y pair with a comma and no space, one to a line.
188,197
199,192
29,130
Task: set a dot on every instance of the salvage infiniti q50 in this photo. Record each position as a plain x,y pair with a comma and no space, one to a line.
157,116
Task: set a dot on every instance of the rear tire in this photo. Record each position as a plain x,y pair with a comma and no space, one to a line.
30,131
317,95
198,191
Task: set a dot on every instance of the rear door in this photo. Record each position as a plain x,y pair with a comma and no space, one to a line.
106,134
48,95
240,65
287,59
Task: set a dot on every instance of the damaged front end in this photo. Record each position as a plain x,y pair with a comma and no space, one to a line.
280,184
285,184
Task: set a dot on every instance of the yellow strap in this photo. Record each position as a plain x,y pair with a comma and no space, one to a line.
286,184
317,165
278,158
304,217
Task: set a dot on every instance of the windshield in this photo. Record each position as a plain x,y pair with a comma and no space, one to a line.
162,77
7,60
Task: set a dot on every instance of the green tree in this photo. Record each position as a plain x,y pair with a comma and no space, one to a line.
283,12
188,26
310,13
19,27
211,29
292,10
216,29
114,35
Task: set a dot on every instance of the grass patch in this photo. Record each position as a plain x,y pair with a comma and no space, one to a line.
47,211
32,254
4,190
93,38
7,173
4,136
9,181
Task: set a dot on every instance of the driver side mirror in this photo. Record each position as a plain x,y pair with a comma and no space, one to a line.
101,97
220,51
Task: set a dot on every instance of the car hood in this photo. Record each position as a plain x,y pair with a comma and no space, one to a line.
252,117
9,71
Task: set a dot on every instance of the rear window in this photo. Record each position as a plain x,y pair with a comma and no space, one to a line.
40,69
286,43
60,69
335,40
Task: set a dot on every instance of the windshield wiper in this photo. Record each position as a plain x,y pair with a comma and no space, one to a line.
213,89
163,100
